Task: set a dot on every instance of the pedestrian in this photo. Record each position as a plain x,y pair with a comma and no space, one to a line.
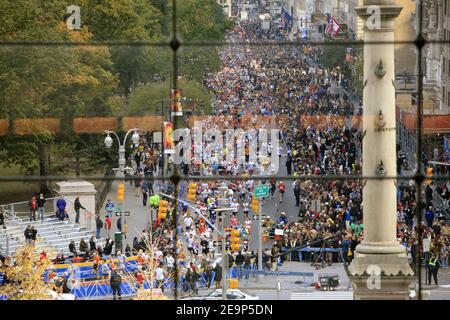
33,208
115,282
83,246
92,244
41,206
119,224
28,233
218,275
160,276
289,165
33,234
187,281
128,250
247,265
96,264
144,191
77,206
429,216
98,225
61,208
297,193
194,281
433,268
170,262
208,275
137,182
72,248
108,225
2,219
109,207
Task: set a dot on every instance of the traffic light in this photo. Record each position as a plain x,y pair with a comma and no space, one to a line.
255,205
163,208
121,192
235,240
429,174
192,191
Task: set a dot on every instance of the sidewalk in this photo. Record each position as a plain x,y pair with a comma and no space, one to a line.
294,282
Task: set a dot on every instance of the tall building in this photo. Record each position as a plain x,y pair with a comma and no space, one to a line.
435,57
443,19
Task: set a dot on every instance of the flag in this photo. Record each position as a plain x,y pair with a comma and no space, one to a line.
286,18
335,27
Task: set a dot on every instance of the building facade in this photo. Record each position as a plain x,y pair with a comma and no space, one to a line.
436,56
443,12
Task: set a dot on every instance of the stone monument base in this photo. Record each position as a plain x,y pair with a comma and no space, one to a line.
380,276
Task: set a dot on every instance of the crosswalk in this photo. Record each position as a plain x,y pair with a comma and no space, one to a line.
322,295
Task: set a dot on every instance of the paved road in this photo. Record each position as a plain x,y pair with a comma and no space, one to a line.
140,215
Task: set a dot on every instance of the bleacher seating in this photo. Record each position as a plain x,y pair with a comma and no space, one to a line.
53,235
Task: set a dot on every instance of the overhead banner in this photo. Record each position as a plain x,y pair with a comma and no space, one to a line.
169,145
175,98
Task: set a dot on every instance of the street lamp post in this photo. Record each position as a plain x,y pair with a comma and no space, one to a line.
223,202
122,162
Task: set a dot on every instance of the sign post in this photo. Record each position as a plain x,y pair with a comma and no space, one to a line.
260,191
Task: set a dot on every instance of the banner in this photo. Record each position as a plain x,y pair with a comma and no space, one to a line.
169,146
175,98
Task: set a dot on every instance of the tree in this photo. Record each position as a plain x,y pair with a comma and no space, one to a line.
148,268
201,20
82,153
125,20
195,63
141,65
52,82
26,277
154,99
332,56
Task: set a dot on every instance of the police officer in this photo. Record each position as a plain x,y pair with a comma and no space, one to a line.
115,282
433,267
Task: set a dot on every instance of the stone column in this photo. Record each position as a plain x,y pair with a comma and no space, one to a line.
379,253
70,190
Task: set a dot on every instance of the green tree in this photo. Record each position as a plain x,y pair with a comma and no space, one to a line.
201,20
49,81
125,20
195,63
332,55
154,99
